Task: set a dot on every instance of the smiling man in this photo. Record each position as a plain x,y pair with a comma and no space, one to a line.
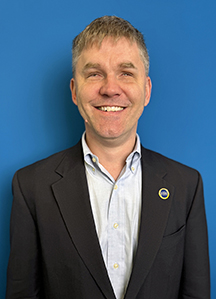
111,88
108,218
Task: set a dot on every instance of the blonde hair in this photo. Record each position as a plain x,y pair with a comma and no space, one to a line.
108,26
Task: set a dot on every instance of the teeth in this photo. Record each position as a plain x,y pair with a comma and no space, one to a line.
108,108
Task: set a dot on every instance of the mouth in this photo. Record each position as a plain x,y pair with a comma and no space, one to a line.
110,109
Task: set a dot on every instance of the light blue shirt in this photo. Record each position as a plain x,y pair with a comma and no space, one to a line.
116,207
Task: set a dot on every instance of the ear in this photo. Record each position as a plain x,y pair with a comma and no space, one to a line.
73,90
148,88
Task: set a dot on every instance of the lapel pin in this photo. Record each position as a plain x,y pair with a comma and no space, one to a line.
164,193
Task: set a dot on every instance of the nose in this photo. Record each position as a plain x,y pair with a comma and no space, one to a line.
110,87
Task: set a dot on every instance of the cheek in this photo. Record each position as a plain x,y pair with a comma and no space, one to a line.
88,93
84,98
137,96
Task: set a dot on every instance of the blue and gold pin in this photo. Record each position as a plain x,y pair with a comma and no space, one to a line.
164,193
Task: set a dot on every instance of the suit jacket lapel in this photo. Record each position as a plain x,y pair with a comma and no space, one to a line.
71,193
154,216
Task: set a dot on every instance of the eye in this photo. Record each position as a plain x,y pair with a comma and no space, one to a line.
93,75
127,74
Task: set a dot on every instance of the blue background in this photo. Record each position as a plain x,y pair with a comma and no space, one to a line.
37,115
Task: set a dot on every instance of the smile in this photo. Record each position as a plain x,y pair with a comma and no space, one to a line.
112,109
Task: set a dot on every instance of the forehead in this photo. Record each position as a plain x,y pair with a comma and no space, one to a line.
111,50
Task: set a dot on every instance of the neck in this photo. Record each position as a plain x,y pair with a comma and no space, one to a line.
112,153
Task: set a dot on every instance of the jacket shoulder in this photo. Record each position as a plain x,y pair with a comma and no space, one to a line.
164,164
45,167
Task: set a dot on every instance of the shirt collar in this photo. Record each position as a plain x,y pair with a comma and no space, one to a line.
131,160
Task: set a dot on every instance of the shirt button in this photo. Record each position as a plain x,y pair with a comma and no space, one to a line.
132,168
94,159
115,266
115,225
115,187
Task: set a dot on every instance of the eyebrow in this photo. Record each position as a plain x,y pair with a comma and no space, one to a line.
91,65
127,65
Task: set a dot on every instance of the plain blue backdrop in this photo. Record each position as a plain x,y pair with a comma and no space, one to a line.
37,115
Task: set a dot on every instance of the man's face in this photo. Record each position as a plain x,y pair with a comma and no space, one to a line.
111,89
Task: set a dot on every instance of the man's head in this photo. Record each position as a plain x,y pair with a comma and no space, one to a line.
108,26
110,84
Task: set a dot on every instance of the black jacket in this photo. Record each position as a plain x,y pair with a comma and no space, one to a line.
55,252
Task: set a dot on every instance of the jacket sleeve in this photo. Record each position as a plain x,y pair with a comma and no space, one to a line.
196,278
23,276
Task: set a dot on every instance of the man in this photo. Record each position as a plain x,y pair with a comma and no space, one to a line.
108,218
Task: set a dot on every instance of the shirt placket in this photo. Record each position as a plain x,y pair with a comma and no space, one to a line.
116,237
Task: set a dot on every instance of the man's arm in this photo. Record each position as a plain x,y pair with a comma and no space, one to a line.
23,277
196,277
